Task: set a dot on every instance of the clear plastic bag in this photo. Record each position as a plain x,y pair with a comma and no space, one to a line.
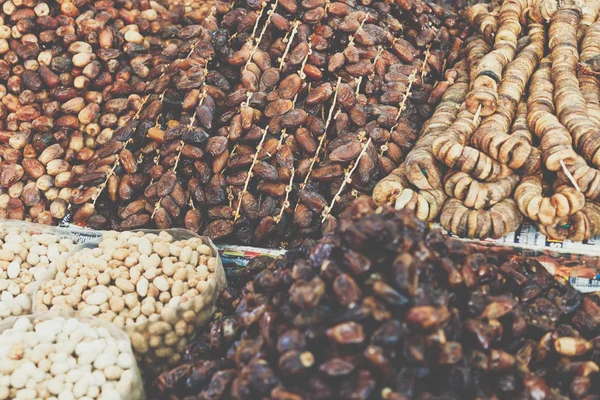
106,348
158,335
28,254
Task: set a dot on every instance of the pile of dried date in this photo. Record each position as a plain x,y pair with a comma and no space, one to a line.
273,115
71,73
386,308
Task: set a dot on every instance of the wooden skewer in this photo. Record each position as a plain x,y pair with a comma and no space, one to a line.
476,116
262,32
254,160
288,40
322,139
117,162
286,202
568,174
347,179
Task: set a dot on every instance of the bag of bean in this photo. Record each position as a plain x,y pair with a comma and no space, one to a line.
66,356
28,255
159,286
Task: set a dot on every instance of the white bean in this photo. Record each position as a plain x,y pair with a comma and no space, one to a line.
55,365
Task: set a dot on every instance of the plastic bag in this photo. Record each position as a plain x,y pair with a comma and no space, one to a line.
128,288
28,253
106,349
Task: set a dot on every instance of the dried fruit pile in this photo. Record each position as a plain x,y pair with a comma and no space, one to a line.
517,134
387,309
71,73
273,115
194,10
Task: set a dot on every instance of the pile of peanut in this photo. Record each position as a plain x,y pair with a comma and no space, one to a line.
155,287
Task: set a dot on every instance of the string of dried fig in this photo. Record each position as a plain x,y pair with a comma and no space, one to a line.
482,100
481,201
428,197
395,188
496,222
588,78
485,19
474,193
590,11
566,214
451,148
570,103
468,189
492,136
423,168
566,201
578,172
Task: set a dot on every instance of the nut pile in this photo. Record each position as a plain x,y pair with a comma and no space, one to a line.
273,115
157,288
387,309
26,258
71,73
49,357
534,154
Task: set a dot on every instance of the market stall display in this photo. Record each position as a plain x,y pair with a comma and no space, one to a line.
303,128
387,308
515,135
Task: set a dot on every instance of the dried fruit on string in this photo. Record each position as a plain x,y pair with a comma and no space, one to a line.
270,118
483,98
534,153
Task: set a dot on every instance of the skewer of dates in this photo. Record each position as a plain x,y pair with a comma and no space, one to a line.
271,117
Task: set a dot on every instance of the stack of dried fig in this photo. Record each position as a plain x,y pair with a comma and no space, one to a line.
518,133
272,116
385,308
